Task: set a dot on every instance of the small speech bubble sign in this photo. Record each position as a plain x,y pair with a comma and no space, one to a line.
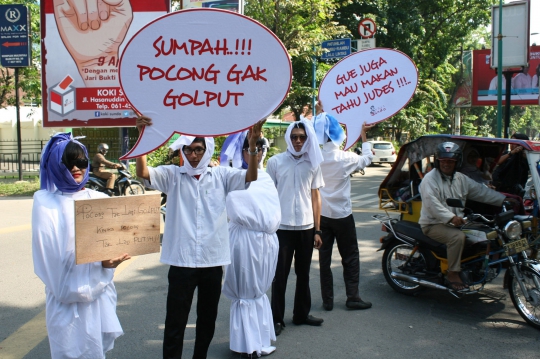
368,86
203,72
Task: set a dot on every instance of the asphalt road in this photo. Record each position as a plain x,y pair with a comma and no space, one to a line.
430,325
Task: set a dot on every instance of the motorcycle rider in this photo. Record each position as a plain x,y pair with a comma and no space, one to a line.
441,222
99,162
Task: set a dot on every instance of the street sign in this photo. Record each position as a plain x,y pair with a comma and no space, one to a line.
15,47
336,48
367,28
364,44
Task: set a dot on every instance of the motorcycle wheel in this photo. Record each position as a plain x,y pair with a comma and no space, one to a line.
133,189
393,259
529,310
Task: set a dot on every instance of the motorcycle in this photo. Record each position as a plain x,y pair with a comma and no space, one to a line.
412,261
358,151
124,185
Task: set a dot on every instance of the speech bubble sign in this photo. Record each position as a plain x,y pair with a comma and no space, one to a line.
203,72
368,86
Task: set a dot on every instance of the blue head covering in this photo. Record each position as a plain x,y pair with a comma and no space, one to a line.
53,173
328,127
232,150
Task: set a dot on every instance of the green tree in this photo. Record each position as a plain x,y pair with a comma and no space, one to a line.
432,33
29,77
301,25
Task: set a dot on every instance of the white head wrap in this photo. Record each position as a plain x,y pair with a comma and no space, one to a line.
311,147
205,160
327,127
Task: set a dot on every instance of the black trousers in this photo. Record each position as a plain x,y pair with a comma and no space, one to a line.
182,284
297,244
343,230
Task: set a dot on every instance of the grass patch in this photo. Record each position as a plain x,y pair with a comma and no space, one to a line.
11,187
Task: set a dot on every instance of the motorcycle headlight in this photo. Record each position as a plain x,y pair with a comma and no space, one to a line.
513,230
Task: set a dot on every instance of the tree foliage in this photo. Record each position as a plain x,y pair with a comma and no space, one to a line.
301,25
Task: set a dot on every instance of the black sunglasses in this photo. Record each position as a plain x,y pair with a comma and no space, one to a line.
81,163
302,138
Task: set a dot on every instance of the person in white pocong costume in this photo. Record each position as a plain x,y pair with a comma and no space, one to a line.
81,299
254,217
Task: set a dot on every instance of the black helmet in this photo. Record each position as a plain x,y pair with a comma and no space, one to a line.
450,151
103,148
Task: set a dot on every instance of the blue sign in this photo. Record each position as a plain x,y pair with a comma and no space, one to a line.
15,46
336,49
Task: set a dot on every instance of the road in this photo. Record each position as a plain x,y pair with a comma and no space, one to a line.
431,325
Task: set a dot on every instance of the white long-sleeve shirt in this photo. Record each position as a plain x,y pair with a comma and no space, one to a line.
196,233
435,188
294,180
336,170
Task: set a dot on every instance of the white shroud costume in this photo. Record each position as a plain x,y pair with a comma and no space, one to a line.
81,299
254,219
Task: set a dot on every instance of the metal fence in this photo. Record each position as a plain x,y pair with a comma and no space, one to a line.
30,156
31,153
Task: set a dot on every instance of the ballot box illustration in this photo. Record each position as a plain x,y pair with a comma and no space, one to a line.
62,97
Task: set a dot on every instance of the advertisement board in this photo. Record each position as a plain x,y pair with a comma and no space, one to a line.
14,28
81,49
231,5
524,84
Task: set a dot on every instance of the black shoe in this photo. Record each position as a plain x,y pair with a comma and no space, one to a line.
357,303
109,192
278,328
328,306
310,320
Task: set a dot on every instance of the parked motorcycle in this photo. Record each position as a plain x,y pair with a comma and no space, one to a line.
412,261
124,185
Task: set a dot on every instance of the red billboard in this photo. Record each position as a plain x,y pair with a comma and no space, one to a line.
524,84
81,48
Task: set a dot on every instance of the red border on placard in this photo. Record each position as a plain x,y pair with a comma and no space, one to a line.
363,51
127,155
46,7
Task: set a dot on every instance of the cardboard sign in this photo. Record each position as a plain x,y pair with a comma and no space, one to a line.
106,228
203,72
368,86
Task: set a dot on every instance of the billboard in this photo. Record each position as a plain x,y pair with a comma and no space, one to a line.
231,5
81,49
524,84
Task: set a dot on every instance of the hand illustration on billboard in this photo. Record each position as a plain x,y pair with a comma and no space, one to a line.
92,32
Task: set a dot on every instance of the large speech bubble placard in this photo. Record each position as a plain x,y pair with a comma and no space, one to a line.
203,72
368,86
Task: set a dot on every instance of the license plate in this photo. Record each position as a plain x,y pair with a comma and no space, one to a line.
384,159
516,246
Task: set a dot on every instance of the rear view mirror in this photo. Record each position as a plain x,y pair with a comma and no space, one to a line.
453,202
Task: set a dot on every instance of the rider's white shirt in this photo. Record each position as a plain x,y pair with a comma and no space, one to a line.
435,189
